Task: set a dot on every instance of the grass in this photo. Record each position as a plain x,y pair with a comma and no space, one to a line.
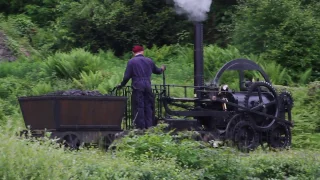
156,156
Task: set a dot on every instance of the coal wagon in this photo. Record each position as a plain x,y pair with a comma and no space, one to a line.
74,119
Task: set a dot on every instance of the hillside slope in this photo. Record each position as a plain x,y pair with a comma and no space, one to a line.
5,53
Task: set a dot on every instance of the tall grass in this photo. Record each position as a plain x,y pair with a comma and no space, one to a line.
155,155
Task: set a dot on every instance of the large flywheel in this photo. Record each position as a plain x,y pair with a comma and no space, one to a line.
262,98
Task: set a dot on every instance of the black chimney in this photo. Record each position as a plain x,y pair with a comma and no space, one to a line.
198,55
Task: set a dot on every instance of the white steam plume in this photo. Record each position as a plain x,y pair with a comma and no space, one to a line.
195,10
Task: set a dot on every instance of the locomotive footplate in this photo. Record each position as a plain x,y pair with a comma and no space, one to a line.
182,124
189,99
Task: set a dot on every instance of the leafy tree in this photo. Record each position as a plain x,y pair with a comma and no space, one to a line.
12,6
218,23
285,31
120,24
42,12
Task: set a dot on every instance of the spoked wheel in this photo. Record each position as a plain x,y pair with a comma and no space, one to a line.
71,141
232,122
108,140
279,136
245,136
262,98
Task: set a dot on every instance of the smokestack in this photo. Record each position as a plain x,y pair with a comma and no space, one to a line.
198,55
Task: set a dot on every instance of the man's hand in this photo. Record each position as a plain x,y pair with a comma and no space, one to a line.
119,86
163,67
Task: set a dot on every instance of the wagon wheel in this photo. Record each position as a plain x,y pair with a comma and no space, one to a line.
71,141
108,140
245,136
255,101
279,136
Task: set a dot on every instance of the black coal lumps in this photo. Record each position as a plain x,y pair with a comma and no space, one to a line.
76,92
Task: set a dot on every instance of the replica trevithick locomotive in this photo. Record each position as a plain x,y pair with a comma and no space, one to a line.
252,115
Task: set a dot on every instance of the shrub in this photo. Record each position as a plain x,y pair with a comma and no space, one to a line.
284,31
93,80
44,159
283,165
41,88
21,68
306,116
223,163
157,144
68,66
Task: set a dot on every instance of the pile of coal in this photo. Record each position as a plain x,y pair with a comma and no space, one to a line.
76,92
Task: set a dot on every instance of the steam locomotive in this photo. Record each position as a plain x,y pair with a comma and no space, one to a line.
251,116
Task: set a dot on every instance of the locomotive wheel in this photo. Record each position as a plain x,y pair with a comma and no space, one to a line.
232,122
72,141
245,136
269,108
279,136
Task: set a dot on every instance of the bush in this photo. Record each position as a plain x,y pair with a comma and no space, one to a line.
21,68
284,31
306,116
68,66
155,155
283,165
30,159
12,87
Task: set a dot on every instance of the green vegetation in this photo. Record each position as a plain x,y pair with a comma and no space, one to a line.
63,44
143,157
155,155
285,31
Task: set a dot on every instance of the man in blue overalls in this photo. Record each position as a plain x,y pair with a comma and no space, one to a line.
140,69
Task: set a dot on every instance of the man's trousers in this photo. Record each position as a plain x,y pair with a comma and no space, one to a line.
142,108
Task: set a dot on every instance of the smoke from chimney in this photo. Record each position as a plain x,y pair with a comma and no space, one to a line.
195,10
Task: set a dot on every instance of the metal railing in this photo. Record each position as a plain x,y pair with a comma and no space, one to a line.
159,91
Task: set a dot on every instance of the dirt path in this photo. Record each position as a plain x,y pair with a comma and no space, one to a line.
5,53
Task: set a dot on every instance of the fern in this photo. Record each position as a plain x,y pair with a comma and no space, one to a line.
277,74
305,76
42,88
89,80
70,65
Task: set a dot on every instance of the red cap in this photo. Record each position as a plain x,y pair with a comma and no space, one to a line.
136,49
